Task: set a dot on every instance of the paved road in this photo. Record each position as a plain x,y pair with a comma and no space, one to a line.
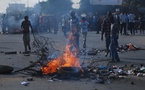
13,42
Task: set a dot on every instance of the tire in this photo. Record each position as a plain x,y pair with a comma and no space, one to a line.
69,72
6,69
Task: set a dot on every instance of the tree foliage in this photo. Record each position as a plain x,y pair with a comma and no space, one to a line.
134,6
64,6
132,3
56,6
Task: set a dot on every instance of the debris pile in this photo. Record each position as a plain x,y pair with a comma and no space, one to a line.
104,74
129,47
101,74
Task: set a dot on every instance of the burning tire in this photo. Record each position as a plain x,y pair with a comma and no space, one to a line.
69,72
5,69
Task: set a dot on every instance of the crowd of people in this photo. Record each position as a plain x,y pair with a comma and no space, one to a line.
111,25
129,22
72,24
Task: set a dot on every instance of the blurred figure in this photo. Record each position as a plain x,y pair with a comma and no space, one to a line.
64,24
4,23
95,20
84,30
51,24
142,24
56,23
26,32
74,31
131,18
123,23
35,22
114,40
97,23
106,29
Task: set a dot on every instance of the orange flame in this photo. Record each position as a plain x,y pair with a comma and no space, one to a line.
68,59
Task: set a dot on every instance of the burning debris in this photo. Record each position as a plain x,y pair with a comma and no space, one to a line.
129,47
68,66
66,60
49,62
122,48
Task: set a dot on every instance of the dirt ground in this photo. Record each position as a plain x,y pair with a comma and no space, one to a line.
13,42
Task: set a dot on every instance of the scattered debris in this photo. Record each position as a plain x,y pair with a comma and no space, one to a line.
132,83
101,74
25,83
13,52
94,51
30,79
129,47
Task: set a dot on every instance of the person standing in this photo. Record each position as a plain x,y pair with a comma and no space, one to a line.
142,24
114,41
123,23
74,31
94,22
64,25
131,18
84,30
4,23
106,29
25,25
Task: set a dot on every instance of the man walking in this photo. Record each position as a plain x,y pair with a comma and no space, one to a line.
26,32
84,30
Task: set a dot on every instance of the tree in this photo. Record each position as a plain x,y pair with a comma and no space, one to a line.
133,5
56,6
100,9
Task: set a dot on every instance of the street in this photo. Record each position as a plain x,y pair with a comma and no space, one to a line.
13,42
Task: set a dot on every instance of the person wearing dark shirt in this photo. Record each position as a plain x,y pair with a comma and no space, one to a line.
114,40
106,29
74,31
25,25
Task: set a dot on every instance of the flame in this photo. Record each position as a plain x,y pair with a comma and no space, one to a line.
68,59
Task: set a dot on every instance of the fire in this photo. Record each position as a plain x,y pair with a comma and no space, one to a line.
51,67
68,59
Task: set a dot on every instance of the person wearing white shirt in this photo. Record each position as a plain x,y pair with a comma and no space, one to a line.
84,29
123,22
131,18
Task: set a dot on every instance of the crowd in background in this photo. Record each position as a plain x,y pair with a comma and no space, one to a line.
129,23
72,24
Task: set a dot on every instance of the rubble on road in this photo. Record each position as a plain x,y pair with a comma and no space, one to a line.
93,71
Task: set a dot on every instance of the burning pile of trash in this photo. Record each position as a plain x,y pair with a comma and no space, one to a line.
68,66
129,47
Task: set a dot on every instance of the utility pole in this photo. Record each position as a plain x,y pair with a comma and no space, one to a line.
28,7
27,3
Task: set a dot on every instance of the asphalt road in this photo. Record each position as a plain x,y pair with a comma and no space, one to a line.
13,42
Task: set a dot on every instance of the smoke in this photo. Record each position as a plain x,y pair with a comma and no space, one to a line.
76,4
13,23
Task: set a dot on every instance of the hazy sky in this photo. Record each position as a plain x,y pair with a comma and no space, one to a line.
4,3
